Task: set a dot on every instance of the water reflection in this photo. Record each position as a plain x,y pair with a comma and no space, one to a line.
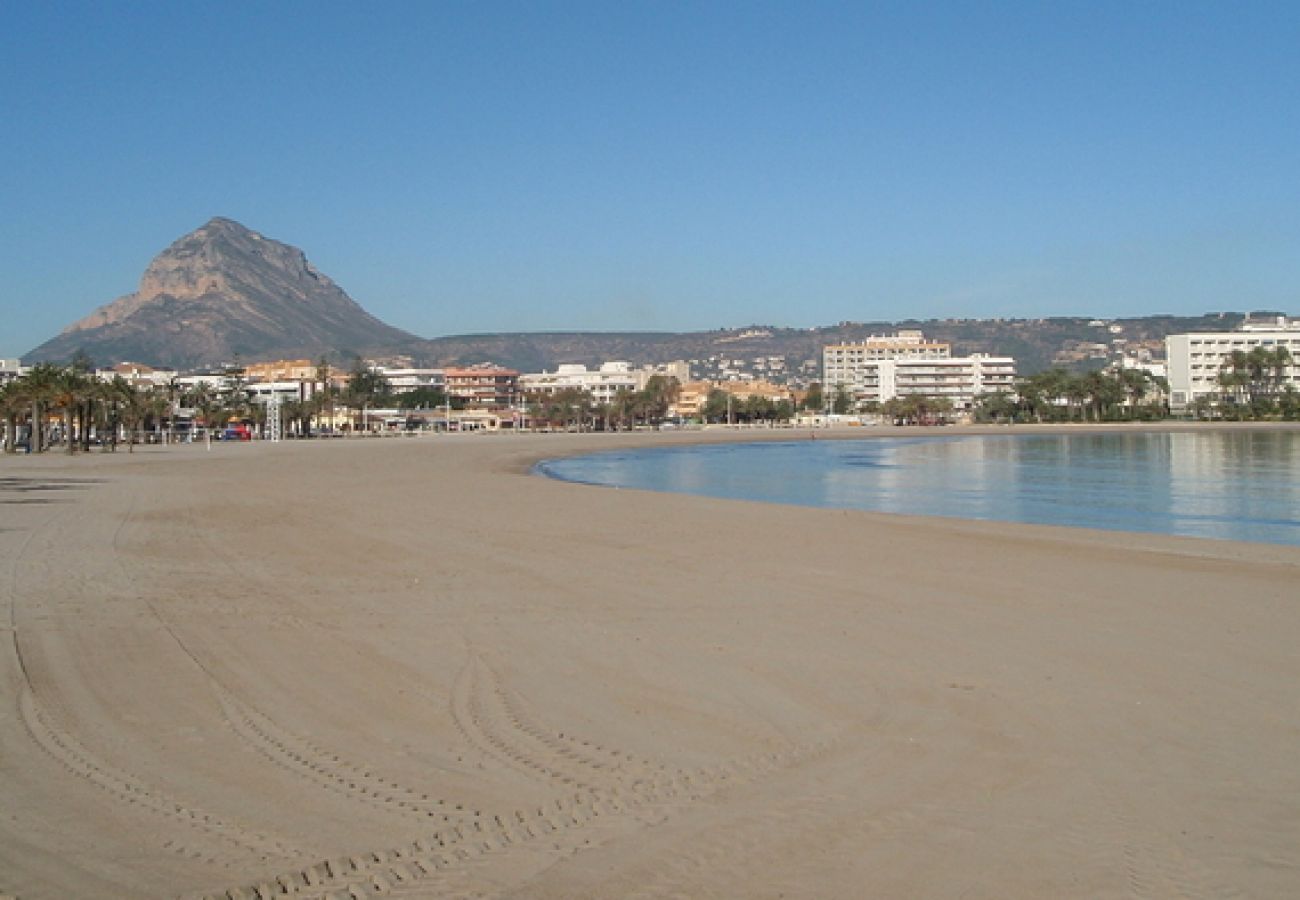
1239,485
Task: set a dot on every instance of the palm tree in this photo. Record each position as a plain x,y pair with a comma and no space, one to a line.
1253,379
174,393
1076,392
1272,367
1043,392
660,391
131,406
1234,376
13,401
324,399
999,406
1203,407
205,399
38,389
1135,384
109,418
621,406
68,389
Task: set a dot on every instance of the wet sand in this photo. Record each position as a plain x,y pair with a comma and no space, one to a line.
409,668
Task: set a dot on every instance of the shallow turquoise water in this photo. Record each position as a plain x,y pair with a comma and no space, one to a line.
1233,485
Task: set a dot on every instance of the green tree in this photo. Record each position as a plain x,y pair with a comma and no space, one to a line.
567,408
366,387
235,393
132,408
1000,406
206,400
1204,407
422,398
622,408
1288,403
843,401
1251,381
323,393
39,387
917,409
69,388
13,404
1135,384
716,405
658,395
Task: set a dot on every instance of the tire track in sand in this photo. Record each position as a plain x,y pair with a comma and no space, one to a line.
497,722
299,756
241,845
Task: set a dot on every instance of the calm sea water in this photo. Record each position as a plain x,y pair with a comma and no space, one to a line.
1234,485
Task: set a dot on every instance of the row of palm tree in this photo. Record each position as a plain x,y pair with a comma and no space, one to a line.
1057,395
85,405
723,406
917,409
578,410
1253,386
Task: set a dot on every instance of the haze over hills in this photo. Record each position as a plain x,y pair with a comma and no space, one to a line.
1036,344
224,292
221,292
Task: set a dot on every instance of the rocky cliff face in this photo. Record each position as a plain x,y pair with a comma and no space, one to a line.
223,291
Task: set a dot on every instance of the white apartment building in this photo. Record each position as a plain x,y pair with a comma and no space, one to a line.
960,379
841,362
906,364
1194,360
602,384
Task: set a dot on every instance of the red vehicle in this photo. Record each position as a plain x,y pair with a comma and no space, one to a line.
237,432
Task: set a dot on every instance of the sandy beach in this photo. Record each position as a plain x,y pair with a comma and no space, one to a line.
409,668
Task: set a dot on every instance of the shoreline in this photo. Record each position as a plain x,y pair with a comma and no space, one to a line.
537,468
371,665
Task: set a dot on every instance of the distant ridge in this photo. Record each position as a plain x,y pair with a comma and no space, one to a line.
1037,344
224,291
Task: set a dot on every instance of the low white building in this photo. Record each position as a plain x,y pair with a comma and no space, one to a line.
406,381
1195,360
280,391
602,384
139,375
10,368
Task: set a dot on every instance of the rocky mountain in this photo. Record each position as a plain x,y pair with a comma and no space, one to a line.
223,292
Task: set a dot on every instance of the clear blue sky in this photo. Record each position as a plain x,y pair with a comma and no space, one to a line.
463,167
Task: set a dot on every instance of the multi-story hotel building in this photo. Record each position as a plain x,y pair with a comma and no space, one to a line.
841,362
483,386
1195,360
906,364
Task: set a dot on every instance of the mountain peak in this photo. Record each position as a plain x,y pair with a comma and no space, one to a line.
223,290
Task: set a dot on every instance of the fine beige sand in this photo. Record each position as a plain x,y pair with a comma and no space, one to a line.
409,668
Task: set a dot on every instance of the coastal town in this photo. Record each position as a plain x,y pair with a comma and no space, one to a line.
900,378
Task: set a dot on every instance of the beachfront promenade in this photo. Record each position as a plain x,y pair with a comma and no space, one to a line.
409,668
